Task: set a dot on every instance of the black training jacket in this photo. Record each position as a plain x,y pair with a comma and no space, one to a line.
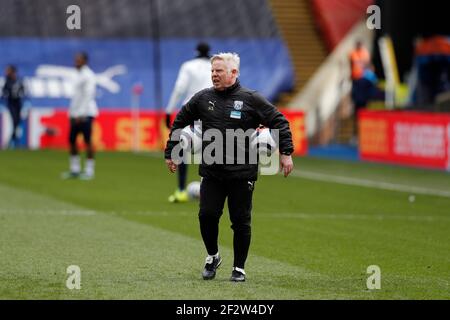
234,108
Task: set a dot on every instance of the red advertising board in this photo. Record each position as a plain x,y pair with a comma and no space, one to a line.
410,138
117,130
297,125
112,130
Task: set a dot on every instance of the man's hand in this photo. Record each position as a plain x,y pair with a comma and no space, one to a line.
168,124
171,165
286,164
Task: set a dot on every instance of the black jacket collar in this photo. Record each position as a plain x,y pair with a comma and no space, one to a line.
231,88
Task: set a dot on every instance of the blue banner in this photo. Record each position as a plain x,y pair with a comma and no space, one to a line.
47,67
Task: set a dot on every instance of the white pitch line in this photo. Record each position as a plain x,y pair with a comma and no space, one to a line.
48,212
300,215
369,183
276,215
330,216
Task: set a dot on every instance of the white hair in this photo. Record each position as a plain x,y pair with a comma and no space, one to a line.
231,59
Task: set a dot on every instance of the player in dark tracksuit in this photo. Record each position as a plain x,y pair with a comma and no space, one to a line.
227,105
13,93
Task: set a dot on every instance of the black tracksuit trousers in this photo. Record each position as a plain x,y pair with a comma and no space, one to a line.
213,193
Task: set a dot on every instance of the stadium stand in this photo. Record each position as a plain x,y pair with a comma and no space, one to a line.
149,48
295,20
336,17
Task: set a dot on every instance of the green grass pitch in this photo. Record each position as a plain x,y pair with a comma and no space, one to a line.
314,234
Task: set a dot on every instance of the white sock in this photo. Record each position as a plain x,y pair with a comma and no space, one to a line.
210,258
75,165
90,167
214,255
239,269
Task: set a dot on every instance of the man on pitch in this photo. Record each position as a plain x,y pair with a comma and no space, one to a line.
194,75
82,112
228,105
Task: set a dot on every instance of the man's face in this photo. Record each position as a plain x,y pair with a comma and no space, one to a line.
79,61
220,76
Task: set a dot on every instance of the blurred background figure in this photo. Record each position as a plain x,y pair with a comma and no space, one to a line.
431,83
194,75
359,60
362,80
13,94
82,111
